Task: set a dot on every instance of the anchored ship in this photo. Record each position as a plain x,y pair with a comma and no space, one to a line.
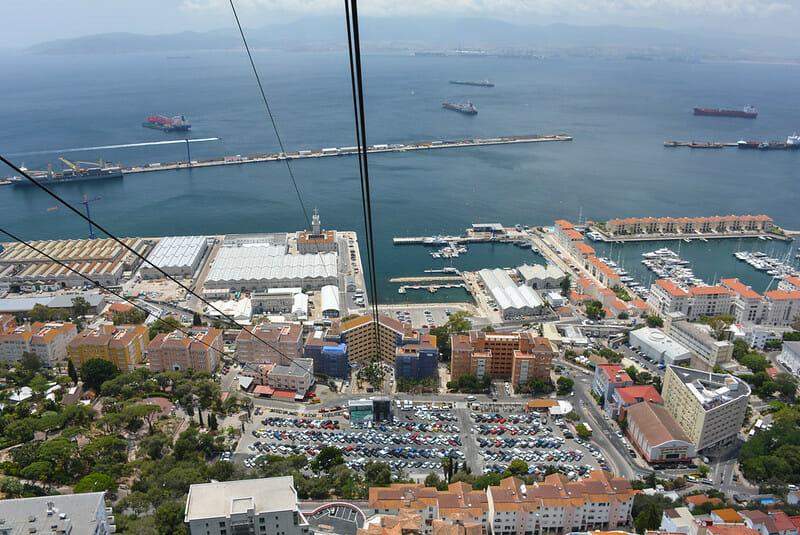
159,122
480,83
749,112
467,108
74,174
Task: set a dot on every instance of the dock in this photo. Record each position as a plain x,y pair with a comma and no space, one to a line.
423,280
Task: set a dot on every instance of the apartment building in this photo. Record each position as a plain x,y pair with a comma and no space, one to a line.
124,345
270,343
621,398
298,375
47,340
748,305
694,302
559,506
687,225
781,307
709,407
329,356
266,506
360,336
609,377
198,349
697,338
511,356
417,361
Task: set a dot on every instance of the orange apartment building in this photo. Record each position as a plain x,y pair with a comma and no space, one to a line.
199,350
123,345
511,356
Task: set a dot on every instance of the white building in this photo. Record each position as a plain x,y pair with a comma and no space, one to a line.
790,356
329,301
266,506
658,346
539,276
512,300
698,339
75,514
260,265
178,256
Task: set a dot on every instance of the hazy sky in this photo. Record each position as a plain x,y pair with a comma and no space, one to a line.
32,21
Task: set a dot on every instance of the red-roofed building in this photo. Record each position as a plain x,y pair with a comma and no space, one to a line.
600,270
584,286
7,323
618,307
116,308
790,284
582,251
630,395
747,304
609,377
781,307
667,297
639,307
699,499
560,232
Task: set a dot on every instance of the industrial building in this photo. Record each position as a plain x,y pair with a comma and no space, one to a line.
329,302
658,346
261,263
123,345
270,343
279,301
538,276
656,435
257,506
513,301
512,356
709,407
199,350
21,305
71,514
47,340
101,260
178,256
329,356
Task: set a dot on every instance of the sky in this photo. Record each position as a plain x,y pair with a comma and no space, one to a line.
33,21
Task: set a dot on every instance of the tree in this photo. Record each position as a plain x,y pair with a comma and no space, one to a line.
328,457
212,422
566,285
38,471
648,519
517,467
169,519
72,372
132,316
377,474
30,362
719,324
197,320
95,372
488,329
654,321
595,311
583,431
11,487
80,306
95,483
487,480
163,325
564,384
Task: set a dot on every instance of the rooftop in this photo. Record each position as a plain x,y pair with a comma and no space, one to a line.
30,515
639,393
221,499
710,389
177,251
656,423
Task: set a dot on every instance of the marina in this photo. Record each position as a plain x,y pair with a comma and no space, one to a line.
667,264
771,266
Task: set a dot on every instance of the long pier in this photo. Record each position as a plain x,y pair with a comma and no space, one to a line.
421,280
346,151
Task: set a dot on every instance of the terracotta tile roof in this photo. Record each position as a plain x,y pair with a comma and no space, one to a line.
721,529
573,234
795,281
564,224
782,521
740,288
585,248
460,342
697,499
639,393
779,295
728,515
656,423
638,303
709,290
670,287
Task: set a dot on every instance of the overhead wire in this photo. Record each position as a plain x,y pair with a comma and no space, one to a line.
99,285
131,250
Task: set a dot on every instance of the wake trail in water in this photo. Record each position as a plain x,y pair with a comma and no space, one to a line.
123,146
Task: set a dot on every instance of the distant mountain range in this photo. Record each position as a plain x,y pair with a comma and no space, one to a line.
431,33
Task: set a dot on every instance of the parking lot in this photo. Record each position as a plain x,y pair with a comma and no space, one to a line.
423,316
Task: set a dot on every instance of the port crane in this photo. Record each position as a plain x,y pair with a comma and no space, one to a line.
74,165
85,202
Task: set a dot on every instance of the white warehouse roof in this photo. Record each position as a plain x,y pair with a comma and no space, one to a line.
658,345
265,262
507,294
329,298
177,251
538,271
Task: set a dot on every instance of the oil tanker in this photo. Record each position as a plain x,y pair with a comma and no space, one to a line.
468,108
749,112
159,122
480,83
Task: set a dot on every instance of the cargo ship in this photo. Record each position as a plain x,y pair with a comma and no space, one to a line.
467,108
479,83
742,144
67,175
749,112
159,122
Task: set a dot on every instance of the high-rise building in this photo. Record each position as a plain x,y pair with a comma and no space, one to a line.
198,350
123,345
513,356
365,342
417,361
709,407
266,506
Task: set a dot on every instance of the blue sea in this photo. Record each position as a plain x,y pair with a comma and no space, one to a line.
619,111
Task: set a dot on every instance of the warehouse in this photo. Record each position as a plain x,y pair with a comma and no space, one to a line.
658,346
263,265
538,276
514,301
178,256
329,299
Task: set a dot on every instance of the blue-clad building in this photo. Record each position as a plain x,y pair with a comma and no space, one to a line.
417,361
330,357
